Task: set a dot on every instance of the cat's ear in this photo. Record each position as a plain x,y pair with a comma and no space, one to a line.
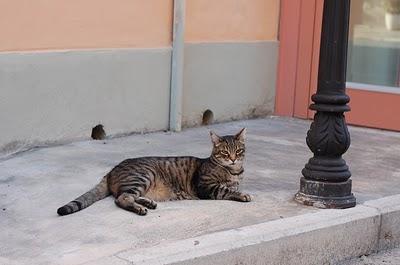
215,138
241,136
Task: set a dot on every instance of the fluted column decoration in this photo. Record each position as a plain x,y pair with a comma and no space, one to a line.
326,179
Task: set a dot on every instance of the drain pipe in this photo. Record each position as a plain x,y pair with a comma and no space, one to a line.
178,45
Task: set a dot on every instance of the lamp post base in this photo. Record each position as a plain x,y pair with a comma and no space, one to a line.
320,194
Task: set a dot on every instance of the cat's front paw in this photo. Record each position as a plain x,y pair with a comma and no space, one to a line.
242,197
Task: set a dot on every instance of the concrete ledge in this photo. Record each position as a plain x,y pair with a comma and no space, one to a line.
325,237
389,208
266,231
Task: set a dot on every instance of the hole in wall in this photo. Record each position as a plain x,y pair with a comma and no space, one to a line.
208,117
98,132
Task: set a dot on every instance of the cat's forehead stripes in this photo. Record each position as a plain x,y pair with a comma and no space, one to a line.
231,140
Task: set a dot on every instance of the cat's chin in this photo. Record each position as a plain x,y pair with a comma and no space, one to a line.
229,165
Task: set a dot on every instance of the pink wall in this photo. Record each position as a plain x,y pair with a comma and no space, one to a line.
231,20
374,109
86,24
73,24
300,29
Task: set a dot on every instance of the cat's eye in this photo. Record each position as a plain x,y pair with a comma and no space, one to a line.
224,153
239,151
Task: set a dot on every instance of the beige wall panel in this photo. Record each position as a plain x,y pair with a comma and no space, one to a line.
59,96
231,20
233,80
73,24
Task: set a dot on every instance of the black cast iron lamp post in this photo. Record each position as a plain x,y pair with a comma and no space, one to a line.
326,179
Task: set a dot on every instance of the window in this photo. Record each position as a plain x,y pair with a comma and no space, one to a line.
374,44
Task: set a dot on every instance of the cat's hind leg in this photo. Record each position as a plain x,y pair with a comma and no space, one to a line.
128,202
146,202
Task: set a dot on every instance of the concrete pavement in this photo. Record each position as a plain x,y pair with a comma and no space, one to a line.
389,257
33,184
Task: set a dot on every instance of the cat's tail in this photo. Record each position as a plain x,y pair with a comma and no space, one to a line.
100,191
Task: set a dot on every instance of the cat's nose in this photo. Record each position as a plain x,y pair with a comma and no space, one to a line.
233,159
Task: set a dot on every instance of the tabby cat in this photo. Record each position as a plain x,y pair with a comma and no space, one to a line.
138,182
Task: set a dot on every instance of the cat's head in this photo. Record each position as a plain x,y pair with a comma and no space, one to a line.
229,150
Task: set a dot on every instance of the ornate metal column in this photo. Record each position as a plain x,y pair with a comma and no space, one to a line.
326,179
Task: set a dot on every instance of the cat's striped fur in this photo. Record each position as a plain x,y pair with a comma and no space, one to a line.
138,182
